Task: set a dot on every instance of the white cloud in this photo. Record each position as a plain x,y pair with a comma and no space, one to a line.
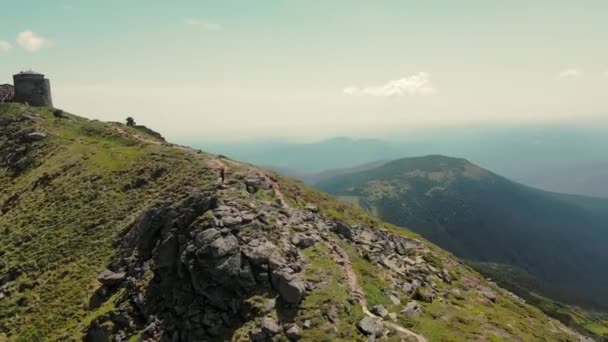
415,85
32,42
4,46
207,25
570,73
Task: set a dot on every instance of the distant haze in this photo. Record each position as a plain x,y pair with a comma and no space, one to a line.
562,159
233,70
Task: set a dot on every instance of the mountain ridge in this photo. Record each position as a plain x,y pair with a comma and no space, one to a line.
109,233
483,217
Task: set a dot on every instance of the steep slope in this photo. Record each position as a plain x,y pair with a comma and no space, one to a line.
108,233
483,217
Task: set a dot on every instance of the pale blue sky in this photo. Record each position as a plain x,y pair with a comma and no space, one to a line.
230,70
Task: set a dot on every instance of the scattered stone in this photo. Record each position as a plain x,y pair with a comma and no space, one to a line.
412,309
424,294
307,324
371,326
379,310
110,278
256,335
270,326
488,293
394,299
303,241
293,332
312,208
457,293
344,231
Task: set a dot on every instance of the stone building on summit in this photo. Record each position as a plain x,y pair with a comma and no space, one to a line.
29,87
32,88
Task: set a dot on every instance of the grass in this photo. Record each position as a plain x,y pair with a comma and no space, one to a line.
60,235
333,294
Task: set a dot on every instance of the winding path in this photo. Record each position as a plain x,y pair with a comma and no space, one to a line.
343,260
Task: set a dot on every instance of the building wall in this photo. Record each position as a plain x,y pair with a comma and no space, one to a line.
36,91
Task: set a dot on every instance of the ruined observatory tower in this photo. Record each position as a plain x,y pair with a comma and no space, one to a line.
32,88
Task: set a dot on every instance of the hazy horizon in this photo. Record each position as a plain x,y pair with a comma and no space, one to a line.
236,70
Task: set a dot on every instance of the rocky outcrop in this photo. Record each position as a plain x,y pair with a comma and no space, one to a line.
207,256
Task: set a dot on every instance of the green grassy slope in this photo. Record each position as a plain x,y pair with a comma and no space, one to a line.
68,200
483,217
63,217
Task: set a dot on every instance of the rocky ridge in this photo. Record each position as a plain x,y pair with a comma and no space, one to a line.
190,258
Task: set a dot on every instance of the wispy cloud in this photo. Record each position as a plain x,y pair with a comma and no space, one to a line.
5,46
206,24
570,73
32,42
415,85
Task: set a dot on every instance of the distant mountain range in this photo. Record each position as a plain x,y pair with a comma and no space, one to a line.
563,159
480,216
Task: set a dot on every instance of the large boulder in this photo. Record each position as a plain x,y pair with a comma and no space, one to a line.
371,326
290,286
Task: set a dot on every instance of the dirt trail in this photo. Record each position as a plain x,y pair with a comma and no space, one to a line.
136,136
343,260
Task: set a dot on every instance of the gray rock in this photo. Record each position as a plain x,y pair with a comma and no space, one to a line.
231,221
206,237
379,310
108,277
412,309
343,230
402,247
457,293
392,316
303,241
259,252
224,246
307,324
394,299
293,332
312,208
257,335
371,326
291,288
36,136
488,293
270,326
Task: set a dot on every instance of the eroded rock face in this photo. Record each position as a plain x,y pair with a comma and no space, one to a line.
204,264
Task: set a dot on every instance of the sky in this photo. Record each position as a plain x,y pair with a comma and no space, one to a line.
305,70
